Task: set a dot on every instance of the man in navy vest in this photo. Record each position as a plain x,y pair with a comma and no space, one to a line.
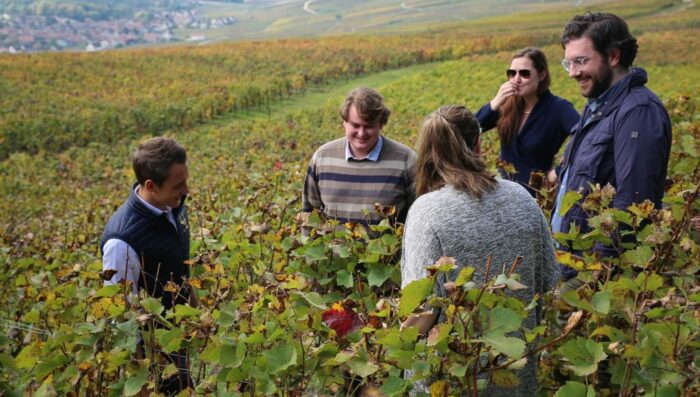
147,241
624,136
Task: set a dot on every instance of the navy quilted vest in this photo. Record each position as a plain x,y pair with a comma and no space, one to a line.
161,247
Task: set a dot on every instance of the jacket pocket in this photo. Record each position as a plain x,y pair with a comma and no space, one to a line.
596,146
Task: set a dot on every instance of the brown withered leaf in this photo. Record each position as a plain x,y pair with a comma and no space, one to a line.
107,275
375,322
439,388
573,321
195,282
615,347
442,261
370,391
537,180
507,167
259,228
356,229
142,318
385,210
695,223
281,277
171,287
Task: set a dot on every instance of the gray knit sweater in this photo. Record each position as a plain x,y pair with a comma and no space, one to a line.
505,223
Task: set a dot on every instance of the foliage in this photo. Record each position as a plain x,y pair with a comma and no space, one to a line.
55,101
270,297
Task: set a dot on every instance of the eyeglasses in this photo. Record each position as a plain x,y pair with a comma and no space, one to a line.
579,62
524,73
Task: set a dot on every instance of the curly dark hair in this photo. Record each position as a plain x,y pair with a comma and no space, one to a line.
606,31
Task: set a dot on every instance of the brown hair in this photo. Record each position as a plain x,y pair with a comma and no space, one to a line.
369,104
606,32
446,153
154,157
511,112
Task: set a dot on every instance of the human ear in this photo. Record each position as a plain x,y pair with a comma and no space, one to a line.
149,185
614,57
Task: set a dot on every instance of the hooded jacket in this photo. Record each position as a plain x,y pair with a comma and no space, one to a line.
625,142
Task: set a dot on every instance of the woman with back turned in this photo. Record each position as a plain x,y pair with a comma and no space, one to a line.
465,212
532,123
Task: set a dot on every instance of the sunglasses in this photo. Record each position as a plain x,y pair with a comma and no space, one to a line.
524,73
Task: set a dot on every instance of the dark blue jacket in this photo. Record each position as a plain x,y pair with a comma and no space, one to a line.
535,146
162,249
626,143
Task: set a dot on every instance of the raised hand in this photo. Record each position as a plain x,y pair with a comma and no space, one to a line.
507,90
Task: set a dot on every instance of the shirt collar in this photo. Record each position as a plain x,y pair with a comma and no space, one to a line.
595,103
372,156
150,206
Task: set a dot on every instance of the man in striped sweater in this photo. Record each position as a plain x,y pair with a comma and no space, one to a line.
348,176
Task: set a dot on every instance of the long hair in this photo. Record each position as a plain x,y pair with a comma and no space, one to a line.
512,110
446,153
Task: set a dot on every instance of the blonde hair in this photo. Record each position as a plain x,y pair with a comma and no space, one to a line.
446,153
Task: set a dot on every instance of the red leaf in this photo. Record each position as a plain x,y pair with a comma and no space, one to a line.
340,319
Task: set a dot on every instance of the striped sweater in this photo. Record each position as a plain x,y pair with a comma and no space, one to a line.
347,190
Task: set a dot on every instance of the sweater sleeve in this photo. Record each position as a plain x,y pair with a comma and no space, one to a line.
487,117
550,269
311,196
568,117
641,148
421,247
410,187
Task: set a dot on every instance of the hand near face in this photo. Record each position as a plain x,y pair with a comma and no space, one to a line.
507,90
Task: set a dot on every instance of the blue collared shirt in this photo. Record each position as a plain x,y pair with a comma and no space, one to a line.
372,156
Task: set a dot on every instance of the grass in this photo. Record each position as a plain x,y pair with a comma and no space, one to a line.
332,93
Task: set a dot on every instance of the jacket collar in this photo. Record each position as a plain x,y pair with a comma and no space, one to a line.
614,95
138,206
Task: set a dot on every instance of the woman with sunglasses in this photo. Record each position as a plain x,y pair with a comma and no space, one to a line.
532,123
463,211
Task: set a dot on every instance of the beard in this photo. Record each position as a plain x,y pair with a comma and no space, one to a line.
601,84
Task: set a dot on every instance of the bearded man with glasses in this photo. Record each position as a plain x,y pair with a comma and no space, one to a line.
624,135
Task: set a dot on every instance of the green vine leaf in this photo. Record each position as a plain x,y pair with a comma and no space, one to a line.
575,389
280,358
362,369
413,294
583,355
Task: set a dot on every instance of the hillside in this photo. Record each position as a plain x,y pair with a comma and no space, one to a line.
48,25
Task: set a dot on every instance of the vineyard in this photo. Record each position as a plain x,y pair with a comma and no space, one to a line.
249,116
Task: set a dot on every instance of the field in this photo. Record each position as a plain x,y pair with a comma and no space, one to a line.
251,115
271,19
